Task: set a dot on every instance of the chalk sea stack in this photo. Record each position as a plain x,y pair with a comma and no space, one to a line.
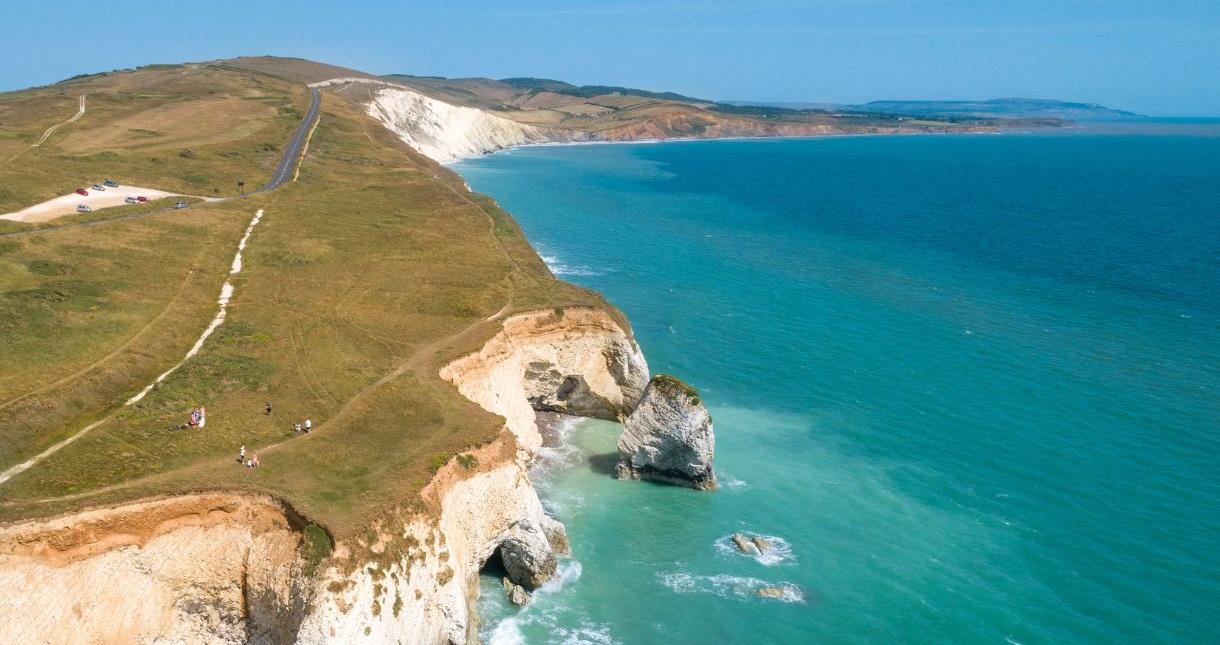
669,437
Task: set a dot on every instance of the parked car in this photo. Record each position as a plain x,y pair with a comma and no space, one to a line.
98,187
110,182
84,208
181,204
131,200
82,191
141,198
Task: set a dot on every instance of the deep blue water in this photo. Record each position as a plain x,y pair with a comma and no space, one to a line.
970,383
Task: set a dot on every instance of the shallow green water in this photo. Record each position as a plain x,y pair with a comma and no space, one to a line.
969,383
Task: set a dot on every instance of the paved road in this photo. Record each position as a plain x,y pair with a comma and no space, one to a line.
283,172
288,161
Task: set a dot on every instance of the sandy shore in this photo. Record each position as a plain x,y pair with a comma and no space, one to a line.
66,205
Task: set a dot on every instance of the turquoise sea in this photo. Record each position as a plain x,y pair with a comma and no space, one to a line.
969,384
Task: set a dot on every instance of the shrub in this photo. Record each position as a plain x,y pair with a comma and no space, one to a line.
316,547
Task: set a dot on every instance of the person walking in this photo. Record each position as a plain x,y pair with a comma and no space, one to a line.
241,456
296,427
268,408
308,424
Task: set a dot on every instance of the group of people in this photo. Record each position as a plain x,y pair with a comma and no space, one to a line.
197,419
297,427
252,462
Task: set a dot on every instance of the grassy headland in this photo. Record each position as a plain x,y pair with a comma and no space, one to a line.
363,278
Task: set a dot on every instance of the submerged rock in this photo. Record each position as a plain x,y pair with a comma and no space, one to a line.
669,437
775,593
528,556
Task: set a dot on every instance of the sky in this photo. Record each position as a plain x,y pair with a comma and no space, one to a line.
1158,57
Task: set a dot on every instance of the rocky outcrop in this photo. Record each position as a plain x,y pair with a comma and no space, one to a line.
427,592
576,360
669,437
515,592
528,556
223,568
214,568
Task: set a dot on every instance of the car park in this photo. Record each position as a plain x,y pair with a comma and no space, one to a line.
98,187
84,208
111,183
82,191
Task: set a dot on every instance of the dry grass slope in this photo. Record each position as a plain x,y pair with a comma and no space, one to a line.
363,278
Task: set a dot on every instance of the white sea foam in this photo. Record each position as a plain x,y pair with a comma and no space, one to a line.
559,267
728,481
779,553
727,586
547,613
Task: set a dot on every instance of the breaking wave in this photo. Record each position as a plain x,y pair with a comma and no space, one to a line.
737,587
779,553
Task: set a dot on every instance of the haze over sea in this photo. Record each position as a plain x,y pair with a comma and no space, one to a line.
969,384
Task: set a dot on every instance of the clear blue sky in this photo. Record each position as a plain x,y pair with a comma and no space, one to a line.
1152,56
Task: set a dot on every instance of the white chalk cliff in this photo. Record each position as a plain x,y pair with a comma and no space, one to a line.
227,568
447,132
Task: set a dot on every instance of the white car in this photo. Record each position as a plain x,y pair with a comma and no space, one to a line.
98,187
131,200
84,208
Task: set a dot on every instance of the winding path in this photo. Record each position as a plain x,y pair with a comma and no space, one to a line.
226,294
51,130
285,170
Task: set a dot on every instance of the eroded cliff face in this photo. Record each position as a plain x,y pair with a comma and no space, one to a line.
669,437
421,589
225,568
212,568
447,132
576,361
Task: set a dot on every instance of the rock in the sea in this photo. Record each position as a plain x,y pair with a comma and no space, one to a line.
742,543
556,534
669,437
528,556
516,593
774,593
761,543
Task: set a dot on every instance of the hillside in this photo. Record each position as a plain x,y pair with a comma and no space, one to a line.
146,351
621,113
1000,108
1011,108
345,282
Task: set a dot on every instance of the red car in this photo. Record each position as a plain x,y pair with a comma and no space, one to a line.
82,191
141,199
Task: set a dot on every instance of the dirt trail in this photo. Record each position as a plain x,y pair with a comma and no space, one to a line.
51,130
226,294
118,350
